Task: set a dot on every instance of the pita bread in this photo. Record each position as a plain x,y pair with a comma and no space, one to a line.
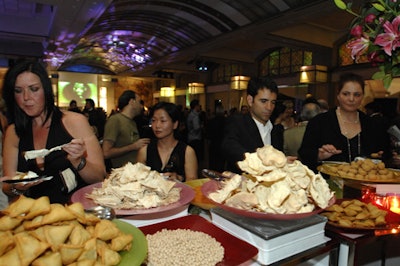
278,193
271,156
320,192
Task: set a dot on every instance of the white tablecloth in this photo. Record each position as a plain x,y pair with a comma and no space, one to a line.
148,219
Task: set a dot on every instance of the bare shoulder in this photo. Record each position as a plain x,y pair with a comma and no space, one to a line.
10,131
76,124
189,151
73,118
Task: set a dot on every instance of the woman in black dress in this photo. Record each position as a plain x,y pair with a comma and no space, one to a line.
166,154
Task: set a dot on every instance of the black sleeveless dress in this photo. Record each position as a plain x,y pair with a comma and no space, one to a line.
66,179
176,162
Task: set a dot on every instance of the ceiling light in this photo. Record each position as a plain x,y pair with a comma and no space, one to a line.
313,74
167,92
239,82
195,88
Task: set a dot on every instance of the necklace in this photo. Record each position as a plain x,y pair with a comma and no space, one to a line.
345,133
351,127
358,147
347,121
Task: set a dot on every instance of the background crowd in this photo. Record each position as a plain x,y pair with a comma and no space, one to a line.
175,140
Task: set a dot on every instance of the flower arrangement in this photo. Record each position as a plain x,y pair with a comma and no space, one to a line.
376,34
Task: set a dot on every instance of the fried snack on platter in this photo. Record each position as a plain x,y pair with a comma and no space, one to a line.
121,242
48,259
28,247
106,230
366,170
62,236
9,223
355,214
135,186
278,188
70,253
10,258
40,206
58,213
7,242
56,235
20,207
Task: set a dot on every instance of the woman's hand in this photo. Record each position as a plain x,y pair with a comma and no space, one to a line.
20,188
291,159
76,149
326,151
140,143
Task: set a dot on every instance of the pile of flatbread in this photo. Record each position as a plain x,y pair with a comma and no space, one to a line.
270,184
135,186
35,232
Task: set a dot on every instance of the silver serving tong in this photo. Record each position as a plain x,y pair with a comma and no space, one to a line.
102,212
216,175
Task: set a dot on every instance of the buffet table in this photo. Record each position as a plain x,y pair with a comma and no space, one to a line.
373,247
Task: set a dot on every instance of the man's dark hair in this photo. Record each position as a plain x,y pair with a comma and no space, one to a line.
125,97
256,84
90,101
194,103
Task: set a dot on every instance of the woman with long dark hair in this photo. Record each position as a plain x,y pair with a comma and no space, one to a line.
36,123
166,154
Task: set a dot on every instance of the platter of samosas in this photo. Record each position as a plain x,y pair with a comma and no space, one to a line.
35,232
271,188
354,214
366,170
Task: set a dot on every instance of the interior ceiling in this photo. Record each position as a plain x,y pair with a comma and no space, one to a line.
137,37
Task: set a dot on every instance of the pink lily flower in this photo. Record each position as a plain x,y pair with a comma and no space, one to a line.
369,18
356,31
390,40
358,46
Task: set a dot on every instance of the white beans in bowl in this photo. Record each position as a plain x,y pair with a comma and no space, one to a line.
183,247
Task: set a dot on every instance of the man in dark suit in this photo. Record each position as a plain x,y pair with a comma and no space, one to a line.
246,133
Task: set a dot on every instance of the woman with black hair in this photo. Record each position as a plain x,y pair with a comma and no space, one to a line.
344,133
36,123
166,154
